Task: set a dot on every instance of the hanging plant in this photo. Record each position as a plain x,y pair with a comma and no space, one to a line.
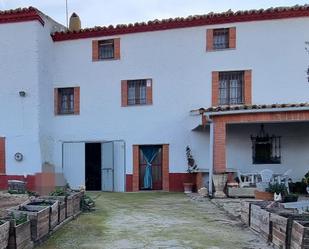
192,167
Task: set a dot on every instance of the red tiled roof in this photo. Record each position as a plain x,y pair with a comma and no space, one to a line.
218,109
191,21
20,15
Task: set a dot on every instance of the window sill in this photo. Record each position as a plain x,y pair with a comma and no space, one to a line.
138,105
66,114
219,50
111,59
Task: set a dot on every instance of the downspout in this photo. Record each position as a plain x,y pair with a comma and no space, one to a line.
211,154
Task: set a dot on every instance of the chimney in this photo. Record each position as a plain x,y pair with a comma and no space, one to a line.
75,23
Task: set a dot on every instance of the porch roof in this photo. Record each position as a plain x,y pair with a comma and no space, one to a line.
234,109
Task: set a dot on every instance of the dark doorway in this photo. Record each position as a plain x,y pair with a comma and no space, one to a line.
156,167
93,166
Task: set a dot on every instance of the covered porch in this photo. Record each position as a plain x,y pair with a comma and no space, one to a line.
246,139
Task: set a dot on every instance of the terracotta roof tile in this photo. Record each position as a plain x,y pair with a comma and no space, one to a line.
190,21
227,108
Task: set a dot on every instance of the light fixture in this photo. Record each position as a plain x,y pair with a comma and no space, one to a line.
22,94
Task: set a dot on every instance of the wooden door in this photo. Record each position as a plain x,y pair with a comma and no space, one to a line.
156,170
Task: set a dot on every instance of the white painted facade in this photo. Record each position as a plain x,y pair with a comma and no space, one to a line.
180,68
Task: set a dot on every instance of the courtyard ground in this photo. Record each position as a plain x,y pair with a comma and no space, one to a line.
153,220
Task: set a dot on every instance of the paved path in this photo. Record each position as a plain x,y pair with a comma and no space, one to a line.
153,220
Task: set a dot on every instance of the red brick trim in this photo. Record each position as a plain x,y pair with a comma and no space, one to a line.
149,92
124,93
135,184
195,21
221,121
76,100
176,181
21,15
209,39
248,87
2,156
129,183
215,89
165,167
56,101
95,50
117,48
232,37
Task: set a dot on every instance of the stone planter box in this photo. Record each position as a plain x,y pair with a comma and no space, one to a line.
260,220
20,235
4,234
39,219
300,235
61,206
77,196
281,228
265,196
53,208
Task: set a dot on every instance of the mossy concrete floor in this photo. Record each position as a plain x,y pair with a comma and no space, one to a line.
153,220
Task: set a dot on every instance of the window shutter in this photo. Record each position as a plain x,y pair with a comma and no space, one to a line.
76,100
248,87
117,48
124,93
95,50
149,92
56,101
2,155
215,88
232,37
209,40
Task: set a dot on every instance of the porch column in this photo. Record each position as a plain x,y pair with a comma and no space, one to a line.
219,149
135,181
219,158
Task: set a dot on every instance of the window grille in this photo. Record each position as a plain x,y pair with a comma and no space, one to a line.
106,49
221,38
66,100
266,149
231,88
136,92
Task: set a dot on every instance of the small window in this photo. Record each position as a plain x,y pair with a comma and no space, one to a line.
266,149
221,38
137,92
106,49
66,100
231,86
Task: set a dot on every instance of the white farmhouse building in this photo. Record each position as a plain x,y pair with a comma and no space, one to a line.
112,108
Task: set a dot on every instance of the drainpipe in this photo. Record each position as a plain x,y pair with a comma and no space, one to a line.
211,154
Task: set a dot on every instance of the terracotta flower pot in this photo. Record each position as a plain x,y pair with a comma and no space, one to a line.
188,187
265,196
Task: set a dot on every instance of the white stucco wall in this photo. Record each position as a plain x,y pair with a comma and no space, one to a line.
294,148
181,69
177,62
19,116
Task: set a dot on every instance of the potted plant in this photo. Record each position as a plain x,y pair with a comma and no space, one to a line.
262,192
192,168
306,181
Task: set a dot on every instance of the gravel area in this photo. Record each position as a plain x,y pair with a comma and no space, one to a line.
154,220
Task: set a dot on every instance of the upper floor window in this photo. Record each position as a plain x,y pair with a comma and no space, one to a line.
220,38
136,92
231,88
106,49
67,100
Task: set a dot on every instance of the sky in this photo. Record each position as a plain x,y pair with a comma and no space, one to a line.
106,12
